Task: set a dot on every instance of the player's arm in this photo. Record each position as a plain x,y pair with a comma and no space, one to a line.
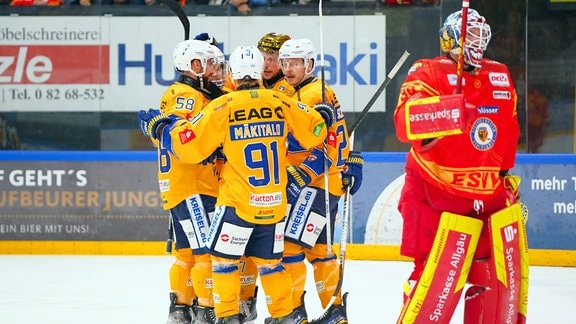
195,140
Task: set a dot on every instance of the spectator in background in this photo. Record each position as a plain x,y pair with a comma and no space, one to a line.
538,117
36,3
9,139
244,6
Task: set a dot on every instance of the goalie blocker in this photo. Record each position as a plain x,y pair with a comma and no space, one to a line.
499,284
437,116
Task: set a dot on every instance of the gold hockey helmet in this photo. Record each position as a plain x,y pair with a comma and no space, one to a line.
272,42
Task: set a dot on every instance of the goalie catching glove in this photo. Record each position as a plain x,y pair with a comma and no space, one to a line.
153,121
297,180
328,113
352,172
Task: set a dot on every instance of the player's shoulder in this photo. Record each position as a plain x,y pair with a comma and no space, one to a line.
493,65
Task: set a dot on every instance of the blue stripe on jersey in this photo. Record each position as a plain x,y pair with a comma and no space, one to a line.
256,130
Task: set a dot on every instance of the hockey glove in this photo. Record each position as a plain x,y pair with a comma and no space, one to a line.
352,172
153,121
216,155
328,113
511,185
297,180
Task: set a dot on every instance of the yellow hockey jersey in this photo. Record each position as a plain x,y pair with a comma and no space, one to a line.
177,179
252,126
338,143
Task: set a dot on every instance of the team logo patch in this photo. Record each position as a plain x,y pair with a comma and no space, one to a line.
186,136
483,134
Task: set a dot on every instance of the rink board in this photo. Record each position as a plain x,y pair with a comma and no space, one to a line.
108,203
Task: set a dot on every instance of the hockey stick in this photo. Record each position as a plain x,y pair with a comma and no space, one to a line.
170,238
383,86
464,25
326,167
177,9
347,197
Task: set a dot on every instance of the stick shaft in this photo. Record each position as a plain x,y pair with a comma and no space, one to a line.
177,9
464,25
383,86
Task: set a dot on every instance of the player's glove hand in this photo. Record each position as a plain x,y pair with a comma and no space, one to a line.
297,180
328,113
216,155
511,185
352,172
153,121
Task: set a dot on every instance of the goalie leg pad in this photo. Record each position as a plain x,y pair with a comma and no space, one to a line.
500,291
437,291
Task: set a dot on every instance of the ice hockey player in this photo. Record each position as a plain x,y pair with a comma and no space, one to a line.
189,191
297,59
462,223
251,205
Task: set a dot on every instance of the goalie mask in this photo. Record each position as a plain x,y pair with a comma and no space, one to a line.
187,51
246,62
478,36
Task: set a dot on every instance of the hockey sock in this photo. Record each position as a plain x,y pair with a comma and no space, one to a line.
180,282
277,284
326,273
226,286
202,279
293,262
248,276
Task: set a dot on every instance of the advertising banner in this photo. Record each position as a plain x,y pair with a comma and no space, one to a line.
113,196
125,63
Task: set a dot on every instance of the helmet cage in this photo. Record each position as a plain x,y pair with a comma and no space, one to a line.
478,36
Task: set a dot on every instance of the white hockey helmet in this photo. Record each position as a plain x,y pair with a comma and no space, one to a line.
187,51
299,48
478,36
246,62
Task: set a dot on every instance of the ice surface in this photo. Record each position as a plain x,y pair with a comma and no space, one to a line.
134,290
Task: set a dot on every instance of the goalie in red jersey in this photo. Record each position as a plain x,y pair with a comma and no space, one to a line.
462,220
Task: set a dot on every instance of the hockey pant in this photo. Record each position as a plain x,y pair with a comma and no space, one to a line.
499,284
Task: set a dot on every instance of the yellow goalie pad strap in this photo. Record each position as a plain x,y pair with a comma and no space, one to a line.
446,270
433,117
508,231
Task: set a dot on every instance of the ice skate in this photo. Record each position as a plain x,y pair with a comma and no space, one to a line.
336,314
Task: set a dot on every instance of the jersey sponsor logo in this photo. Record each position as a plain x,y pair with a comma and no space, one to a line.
186,136
499,79
414,67
256,113
164,185
475,179
299,216
488,110
483,134
453,79
505,95
256,130
266,200
331,139
55,64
